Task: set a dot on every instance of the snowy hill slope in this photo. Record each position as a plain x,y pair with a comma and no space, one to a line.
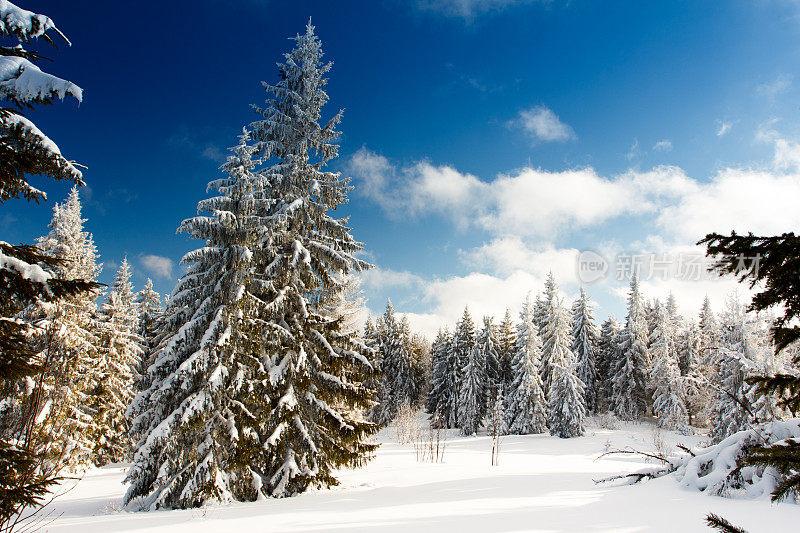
542,484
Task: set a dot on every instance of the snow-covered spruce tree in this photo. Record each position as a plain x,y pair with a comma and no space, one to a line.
496,423
505,347
67,338
448,402
543,318
629,395
315,367
438,369
607,358
471,400
27,277
201,421
709,333
486,342
665,377
463,342
696,373
584,346
565,395
151,311
114,375
526,410
394,359
731,411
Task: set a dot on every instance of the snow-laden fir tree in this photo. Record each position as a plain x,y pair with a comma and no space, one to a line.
628,394
487,343
27,277
471,398
151,310
543,318
540,307
397,385
565,395
526,404
201,421
66,339
317,371
443,397
665,377
607,359
115,373
584,346
731,409
708,330
505,348
463,340
695,371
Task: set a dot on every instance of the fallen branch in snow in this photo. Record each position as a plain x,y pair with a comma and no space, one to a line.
721,469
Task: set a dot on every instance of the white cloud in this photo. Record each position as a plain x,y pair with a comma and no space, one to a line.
633,151
508,254
775,88
157,265
467,9
724,128
380,278
663,146
542,124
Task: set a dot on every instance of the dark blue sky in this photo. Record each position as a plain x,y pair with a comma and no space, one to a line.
168,86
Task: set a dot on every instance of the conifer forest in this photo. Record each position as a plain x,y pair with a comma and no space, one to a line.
544,279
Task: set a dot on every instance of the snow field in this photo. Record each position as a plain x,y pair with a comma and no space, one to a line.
542,484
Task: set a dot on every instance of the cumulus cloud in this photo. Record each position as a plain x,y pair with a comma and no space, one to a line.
157,265
542,124
724,128
381,278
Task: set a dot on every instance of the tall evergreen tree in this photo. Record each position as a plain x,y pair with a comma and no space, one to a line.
209,390
544,318
505,347
665,376
584,346
67,338
317,367
472,400
629,395
487,343
607,360
27,277
151,311
527,404
565,393
462,344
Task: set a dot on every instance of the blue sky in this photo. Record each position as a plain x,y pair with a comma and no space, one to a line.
489,140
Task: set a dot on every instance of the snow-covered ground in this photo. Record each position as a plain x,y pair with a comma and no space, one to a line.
542,484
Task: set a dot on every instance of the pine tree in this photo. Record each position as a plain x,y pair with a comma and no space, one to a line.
496,424
487,343
438,369
708,329
317,368
443,404
398,384
565,394
543,317
584,346
463,342
204,411
607,359
114,375
67,338
665,377
28,278
151,311
505,347
629,395
472,401
527,404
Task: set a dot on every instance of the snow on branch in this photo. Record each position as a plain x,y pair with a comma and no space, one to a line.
26,25
22,82
720,469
